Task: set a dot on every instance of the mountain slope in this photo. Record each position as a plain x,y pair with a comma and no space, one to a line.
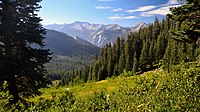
97,34
62,44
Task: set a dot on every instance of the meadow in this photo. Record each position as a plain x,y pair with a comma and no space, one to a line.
155,90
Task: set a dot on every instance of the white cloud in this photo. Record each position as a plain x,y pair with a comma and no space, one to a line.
103,7
160,11
114,17
172,2
140,9
130,17
120,17
116,10
105,0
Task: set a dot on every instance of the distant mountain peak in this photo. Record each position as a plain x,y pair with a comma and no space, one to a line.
113,26
80,22
142,24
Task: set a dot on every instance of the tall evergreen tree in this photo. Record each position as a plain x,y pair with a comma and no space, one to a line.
122,62
118,46
95,71
110,67
135,64
129,52
161,46
144,55
156,28
188,15
22,56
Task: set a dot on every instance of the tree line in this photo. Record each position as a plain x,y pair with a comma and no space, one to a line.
149,48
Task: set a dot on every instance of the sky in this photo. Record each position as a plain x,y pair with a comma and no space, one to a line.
126,13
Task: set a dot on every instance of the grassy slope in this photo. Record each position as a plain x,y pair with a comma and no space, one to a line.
155,90
85,90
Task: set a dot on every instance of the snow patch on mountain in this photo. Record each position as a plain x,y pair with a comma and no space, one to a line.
97,34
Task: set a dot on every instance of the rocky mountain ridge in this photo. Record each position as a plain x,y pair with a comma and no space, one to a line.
97,34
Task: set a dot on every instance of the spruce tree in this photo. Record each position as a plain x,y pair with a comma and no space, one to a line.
118,46
95,71
22,55
144,55
156,28
110,66
135,64
129,52
187,14
122,62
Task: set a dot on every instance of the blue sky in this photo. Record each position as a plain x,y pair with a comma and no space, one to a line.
123,12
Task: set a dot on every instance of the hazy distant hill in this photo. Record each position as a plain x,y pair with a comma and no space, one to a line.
97,34
62,44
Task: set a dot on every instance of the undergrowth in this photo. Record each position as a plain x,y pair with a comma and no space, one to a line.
178,90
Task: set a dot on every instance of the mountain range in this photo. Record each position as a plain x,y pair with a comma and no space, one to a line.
97,34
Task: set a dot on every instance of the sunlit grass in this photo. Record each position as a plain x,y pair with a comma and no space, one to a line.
82,91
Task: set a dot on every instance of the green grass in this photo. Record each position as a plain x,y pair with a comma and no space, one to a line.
82,91
155,90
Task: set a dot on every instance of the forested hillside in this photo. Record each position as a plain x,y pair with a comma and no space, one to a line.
68,53
150,48
65,45
61,66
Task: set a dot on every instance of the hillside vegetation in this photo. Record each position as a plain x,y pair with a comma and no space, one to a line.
60,66
152,91
65,45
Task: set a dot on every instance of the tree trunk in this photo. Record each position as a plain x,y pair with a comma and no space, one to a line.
12,87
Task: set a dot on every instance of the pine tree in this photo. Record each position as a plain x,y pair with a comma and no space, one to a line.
118,47
151,57
129,52
144,55
156,28
21,64
135,64
187,14
161,46
110,67
128,64
122,62
95,71
90,74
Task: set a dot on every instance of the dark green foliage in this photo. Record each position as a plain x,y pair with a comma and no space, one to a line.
59,66
22,53
188,15
122,62
161,46
135,64
149,48
129,52
110,67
